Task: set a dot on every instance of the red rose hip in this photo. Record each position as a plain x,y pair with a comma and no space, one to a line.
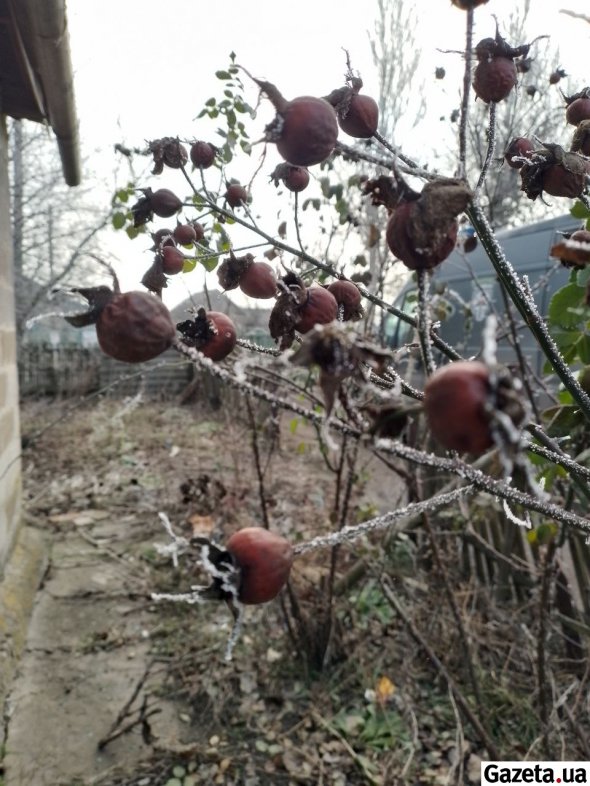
320,308
456,402
259,281
134,327
265,561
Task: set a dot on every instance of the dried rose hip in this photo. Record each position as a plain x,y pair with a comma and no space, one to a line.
185,234
255,279
172,260
165,203
348,298
167,151
495,74
460,402
358,115
259,281
264,559
163,237
211,332
518,149
319,308
581,140
295,178
305,129
131,326
236,195
556,76
202,154
199,231
456,400
556,172
578,107
423,232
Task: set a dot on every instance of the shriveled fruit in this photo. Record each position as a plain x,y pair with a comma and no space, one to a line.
211,332
309,131
256,279
362,119
578,107
461,402
494,79
519,148
202,154
264,559
556,76
165,203
495,74
259,281
555,171
167,151
581,140
163,237
185,234
172,260
295,178
348,298
305,129
319,308
131,326
236,195
456,403
423,232
358,114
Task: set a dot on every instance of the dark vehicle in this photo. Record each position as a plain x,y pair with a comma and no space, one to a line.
465,290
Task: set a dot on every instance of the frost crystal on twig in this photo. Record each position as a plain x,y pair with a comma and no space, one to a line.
352,533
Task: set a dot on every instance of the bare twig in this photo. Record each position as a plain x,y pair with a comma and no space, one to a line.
441,668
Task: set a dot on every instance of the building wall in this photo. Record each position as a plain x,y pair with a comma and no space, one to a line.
10,470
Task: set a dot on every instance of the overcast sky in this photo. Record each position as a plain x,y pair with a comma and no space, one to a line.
143,69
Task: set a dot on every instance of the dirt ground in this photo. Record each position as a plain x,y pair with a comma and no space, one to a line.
117,689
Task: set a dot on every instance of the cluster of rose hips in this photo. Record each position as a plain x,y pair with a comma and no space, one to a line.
547,167
421,232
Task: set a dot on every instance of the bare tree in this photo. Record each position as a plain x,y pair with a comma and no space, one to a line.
534,110
53,226
396,56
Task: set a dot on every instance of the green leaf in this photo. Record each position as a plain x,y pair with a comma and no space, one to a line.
118,220
209,263
189,265
122,195
566,307
583,276
211,102
293,425
222,75
583,347
132,232
563,420
579,210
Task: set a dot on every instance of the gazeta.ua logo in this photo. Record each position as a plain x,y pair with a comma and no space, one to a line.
554,772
